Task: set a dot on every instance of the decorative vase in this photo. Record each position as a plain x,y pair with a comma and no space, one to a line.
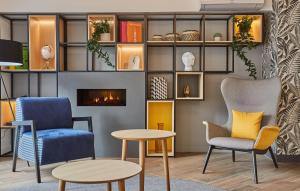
186,91
158,88
218,38
105,37
158,145
188,60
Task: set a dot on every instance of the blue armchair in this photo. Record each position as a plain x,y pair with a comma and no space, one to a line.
45,134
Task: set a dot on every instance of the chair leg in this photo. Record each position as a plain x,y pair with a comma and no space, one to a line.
273,157
211,147
254,167
15,151
36,158
233,156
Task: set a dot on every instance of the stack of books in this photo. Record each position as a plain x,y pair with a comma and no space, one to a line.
131,31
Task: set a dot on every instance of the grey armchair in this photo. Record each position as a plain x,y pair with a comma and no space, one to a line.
247,96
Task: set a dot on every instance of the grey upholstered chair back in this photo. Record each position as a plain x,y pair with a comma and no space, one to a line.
252,96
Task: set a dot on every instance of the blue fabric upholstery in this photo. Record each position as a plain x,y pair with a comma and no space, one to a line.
57,141
56,145
46,112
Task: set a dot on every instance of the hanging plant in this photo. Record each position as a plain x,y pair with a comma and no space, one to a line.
94,45
243,41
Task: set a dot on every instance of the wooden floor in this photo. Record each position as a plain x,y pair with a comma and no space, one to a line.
221,172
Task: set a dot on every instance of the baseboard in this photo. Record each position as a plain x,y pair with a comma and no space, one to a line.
288,158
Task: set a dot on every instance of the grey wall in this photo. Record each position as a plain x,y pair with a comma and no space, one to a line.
108,119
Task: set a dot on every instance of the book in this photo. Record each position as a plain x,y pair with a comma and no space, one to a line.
123,31
134,31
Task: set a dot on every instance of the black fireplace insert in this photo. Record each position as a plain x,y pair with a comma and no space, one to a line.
101,97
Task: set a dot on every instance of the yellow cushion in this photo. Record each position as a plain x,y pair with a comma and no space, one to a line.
267,135
246,125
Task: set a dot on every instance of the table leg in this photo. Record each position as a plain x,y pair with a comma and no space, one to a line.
61,185
124,149
166,163
142,163
109,186
121,185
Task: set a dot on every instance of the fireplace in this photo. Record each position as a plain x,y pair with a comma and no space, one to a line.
101,97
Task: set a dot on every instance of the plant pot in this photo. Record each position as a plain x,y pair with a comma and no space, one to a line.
218,38
105,37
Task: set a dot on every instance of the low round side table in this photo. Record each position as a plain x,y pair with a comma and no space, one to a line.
96,171
143,135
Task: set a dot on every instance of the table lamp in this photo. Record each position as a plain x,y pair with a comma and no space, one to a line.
11,54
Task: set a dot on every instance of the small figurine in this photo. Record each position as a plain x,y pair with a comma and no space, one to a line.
186,91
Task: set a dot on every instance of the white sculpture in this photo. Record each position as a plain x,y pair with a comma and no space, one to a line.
47,54
134,62
188,60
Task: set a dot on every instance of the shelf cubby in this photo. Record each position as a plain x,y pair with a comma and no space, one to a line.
130,57
111,19
6,114
220,63
189,22
160,59
98,64
160,116
218,24
131,28
160,25
42,32
168,76
195,82
256,27
196,51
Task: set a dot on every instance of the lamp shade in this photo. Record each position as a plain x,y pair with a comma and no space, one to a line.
11,53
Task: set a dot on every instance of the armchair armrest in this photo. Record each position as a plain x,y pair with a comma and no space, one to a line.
88,119
22,123
213,130
267,135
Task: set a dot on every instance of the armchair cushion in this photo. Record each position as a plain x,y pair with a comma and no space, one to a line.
266,137
232,143
246,125
46,112
57,145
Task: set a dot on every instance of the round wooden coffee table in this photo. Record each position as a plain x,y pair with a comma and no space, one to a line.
96,171
143,135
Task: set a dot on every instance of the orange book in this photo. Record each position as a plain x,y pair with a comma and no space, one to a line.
134,32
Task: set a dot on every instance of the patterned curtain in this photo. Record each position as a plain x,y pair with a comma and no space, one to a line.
282,58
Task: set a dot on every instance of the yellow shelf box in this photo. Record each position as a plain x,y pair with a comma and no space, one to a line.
160,116
6,114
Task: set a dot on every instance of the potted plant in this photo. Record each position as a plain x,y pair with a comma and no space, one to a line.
217,37
243,40
101,33
103,29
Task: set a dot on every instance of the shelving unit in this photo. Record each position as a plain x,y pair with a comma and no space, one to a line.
68,34
160,116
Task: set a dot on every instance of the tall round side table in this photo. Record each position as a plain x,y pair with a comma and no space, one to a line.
143,135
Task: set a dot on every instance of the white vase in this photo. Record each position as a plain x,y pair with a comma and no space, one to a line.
218,38
105,37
